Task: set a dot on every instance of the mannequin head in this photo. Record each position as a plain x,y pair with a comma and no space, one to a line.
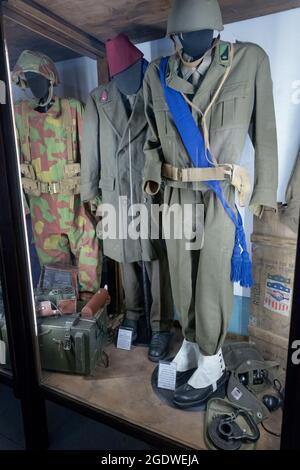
41,89
196,43
38,84
130,80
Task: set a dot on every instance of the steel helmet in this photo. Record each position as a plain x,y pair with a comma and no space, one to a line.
31,61
194,15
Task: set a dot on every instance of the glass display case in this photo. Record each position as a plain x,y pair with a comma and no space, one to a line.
60,352
4,356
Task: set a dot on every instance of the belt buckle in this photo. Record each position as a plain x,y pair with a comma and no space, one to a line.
229,172
52,188
179,174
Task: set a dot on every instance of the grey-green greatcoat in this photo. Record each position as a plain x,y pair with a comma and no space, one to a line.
290,212
113,161
201,285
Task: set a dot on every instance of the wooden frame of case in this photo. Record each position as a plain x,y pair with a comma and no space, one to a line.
16,273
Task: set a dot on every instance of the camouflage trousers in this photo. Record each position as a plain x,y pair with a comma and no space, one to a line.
64,233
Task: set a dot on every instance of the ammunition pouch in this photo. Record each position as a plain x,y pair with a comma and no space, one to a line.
31,187
72,169
235,174
70,186
27,171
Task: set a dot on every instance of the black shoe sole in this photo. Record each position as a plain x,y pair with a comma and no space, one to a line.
219,393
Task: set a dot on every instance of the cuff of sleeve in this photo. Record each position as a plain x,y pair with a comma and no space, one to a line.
151,187
89,191
289,215
261,199
152,178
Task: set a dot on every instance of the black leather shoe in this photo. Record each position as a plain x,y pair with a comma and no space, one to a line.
128,323
183,377
159,346
187,397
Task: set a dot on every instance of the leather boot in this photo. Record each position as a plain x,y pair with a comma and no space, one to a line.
206,380
159,346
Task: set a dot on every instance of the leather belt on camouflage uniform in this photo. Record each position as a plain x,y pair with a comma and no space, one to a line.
66,187
235,174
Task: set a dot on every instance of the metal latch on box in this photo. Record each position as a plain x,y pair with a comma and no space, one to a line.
67,339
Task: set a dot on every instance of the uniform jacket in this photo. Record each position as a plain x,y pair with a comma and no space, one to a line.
113,161
244,105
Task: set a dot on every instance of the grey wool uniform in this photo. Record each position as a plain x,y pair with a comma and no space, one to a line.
201,285
290,213
113,162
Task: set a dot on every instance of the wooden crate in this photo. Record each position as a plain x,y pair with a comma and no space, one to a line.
274,248
270,225
272,292
274,253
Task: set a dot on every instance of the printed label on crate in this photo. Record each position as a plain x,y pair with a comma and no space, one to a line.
278,294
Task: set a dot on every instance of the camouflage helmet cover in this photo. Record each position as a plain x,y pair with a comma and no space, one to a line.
194,15
31,61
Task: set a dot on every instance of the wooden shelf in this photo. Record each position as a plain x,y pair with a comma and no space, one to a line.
144,20
124,390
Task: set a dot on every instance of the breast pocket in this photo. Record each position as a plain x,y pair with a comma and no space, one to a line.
232,107
164,121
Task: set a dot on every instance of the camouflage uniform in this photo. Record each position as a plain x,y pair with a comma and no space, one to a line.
50,148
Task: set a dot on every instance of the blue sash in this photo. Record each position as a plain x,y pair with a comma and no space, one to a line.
192,138
144,67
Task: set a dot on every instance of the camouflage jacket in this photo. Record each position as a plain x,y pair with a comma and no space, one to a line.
46,137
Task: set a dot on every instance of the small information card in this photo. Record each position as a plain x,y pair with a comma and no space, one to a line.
125,338
166,375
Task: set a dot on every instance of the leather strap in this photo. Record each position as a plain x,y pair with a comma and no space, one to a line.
193,175
68,125
69,186
212,102
25,144
235,174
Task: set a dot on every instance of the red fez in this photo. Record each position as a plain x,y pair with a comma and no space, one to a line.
121,54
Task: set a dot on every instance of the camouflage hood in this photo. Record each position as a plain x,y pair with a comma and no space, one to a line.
30,61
